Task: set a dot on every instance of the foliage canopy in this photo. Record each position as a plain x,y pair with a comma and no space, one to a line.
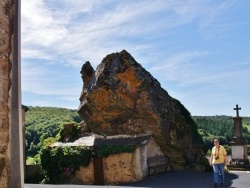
43,123
220,127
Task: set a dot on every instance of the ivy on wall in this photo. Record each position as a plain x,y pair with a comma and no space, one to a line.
61,162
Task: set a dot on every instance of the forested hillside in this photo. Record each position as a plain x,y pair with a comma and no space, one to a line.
220,127
43,123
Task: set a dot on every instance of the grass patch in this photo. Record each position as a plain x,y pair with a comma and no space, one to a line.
247,126
30,161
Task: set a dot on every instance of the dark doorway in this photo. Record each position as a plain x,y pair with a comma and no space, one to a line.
98,171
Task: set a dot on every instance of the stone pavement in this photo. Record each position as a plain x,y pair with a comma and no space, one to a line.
177,179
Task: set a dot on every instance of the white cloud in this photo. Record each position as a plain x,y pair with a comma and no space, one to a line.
87,29
189,70
45,80
36,54
68,33
183,67
39,27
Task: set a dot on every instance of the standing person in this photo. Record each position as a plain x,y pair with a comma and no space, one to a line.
218,159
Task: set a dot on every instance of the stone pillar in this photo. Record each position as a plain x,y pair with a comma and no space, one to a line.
11,172
16,144
238,127
238,144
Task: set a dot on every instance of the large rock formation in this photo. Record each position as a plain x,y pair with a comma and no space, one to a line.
121,97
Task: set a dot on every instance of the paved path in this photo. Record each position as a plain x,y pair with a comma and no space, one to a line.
178,179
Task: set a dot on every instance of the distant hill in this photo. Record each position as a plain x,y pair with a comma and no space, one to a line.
45,122
220,127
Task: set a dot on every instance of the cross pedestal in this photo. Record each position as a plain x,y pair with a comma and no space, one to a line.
238,143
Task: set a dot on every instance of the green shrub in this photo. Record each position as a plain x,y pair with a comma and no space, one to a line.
59,163
69,132
248,149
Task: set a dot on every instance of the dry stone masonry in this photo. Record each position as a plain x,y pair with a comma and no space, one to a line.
11,153
121,97
6,33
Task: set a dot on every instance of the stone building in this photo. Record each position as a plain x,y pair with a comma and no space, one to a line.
117,168
11,158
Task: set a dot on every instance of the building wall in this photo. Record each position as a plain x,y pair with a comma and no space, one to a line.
121,168
6,33
153,149
143,160
118,168
85,175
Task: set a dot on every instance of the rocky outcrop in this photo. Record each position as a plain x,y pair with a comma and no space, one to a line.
121,97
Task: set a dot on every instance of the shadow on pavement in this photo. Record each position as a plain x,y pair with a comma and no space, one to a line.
183,179
177,179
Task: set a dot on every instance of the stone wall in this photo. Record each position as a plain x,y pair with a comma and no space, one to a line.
120,168
6,33
153,149
85,175
117,169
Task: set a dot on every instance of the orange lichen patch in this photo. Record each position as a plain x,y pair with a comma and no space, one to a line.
125,100
111,114
101,97
97,118
128,78
104,126
152,118
144,97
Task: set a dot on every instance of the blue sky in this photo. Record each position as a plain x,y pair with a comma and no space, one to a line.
199,50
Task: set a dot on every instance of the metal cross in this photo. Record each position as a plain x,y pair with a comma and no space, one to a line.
237,110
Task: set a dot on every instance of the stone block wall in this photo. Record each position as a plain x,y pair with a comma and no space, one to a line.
85,175
6,33
119,168
153,149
